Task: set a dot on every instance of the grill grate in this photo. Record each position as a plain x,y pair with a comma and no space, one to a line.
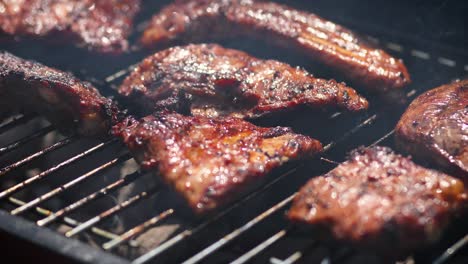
375,127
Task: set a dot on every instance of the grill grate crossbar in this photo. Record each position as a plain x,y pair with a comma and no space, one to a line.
48,172
69,185
137,230
36,155
110,212
25,140
67,220
127,179
15,122
236,233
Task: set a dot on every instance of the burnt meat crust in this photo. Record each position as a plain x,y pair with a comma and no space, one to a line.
435,128
212,81
72,105
378,198
333,45
210,162
100,25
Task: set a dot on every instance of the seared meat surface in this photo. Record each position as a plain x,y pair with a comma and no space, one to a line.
101,25
378,198
333,45
435,127
210,162
72,105
212,81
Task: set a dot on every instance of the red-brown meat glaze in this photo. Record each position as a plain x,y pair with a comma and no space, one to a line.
435,128
211,162
100,25
67,102
212,81
331,44
378,198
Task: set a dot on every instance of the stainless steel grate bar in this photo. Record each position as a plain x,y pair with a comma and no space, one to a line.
48,172
68,221
15,122
137,230
102,192
25,140
236,233
36,155
113,210
459,245
187,233
68,185
260,247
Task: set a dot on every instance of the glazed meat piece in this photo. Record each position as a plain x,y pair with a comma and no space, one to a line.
210,162
212,81
435,128
101,25
72,105
321,40
378,198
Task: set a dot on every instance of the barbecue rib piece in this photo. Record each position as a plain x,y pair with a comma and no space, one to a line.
66,101
210,162
378,198
101,25
319,39
435,127
209,80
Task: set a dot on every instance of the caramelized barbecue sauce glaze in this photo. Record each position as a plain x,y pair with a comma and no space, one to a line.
212,81
100,25
435,128
324,41
72,105
378,198
210,162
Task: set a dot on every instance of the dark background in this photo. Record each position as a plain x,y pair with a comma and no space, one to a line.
441,21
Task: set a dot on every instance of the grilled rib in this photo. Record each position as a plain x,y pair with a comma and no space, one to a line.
101,25
72,105
210,162
212,81
435,127
378,198
333,45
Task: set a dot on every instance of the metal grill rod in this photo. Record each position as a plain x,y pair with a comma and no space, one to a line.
48,172
26,139
36,155
295,256
120,73
234,234
127,179
187,233
452,250
258,249
16,122
137,230
389,134
366,122
69,185
113,210
68,221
